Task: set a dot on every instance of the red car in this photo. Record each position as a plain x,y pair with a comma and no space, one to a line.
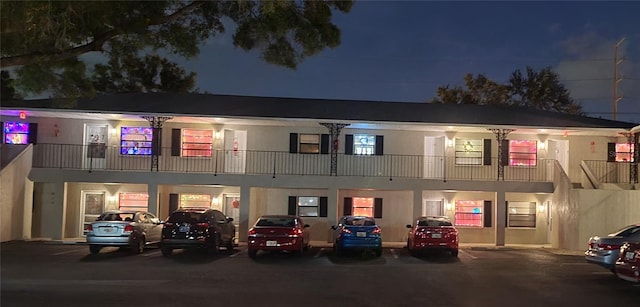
433,233
277,233
628,263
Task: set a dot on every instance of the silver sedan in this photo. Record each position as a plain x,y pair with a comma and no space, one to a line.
133,229
604,250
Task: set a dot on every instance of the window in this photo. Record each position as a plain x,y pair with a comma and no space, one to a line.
16,133
197,143
308,206
521,214
310,143
363,206
468,152
195,200
624,152
135,140
364,144
133,201
469,213
523,153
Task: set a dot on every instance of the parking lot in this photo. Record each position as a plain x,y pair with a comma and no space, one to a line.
38,273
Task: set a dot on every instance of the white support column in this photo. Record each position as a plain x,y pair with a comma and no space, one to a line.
332,211
27,216
245,202
500,218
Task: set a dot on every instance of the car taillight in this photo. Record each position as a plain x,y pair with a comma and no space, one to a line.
167,225
346,230
376,231
295,232
608,246
203,225
128,228
90,228
252,232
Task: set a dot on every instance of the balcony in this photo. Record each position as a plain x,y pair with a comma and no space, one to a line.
254,162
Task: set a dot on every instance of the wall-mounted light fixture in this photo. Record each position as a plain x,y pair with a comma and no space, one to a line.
541,207
217,135
448,205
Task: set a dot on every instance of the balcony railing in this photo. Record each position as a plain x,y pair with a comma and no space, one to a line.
612,172
254,162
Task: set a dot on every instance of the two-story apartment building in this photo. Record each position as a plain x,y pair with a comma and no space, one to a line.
504,175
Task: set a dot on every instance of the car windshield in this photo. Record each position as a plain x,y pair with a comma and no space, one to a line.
186,217
434,222
360,221
279,222
114,216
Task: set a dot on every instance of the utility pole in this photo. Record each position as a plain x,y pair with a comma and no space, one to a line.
616,78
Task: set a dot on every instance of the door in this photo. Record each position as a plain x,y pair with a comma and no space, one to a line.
95,146
433,157
232,210
235,150
559,150
91,206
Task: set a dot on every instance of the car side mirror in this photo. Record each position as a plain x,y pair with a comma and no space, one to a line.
408,226
334,227
307,225
229,219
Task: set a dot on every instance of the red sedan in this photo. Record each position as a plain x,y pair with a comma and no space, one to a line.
433,233
628,263
276,233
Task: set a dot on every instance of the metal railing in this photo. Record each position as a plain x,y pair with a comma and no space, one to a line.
255,162
611,172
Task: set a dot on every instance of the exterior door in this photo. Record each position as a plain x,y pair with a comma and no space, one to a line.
433,157
432,207
235,150
559,150
95,146
91,206
232,210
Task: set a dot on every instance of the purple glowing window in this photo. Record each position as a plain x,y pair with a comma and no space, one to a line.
136,140
16,133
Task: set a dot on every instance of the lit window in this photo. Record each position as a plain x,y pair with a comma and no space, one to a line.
469,213
16,133
364,144
195,201
624,152
468,152
523,153
310,143
197,143
136,140
308,206
521,214
133,201
363,206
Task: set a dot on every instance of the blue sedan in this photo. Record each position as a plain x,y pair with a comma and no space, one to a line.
357,233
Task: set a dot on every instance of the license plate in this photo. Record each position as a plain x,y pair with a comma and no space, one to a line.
107,229
361,234
436,235
272,243
629,255
184,228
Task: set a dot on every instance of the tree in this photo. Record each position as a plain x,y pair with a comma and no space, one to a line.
537,89
46,44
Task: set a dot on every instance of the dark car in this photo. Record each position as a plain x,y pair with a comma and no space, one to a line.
203,228
357,233
628,264
133,229
433,233
276,233
604,250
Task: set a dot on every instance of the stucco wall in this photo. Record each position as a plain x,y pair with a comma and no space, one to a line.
14,187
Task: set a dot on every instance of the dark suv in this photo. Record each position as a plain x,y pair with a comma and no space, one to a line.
197,228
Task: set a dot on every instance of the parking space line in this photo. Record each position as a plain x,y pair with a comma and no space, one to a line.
469,254
236,254
65,252
153,253
318,253
393,252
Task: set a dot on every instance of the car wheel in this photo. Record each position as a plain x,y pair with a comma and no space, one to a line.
454,252
252,253
94,249
300,251
166,251
137,246
337,250
230,245
214,248
378,252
